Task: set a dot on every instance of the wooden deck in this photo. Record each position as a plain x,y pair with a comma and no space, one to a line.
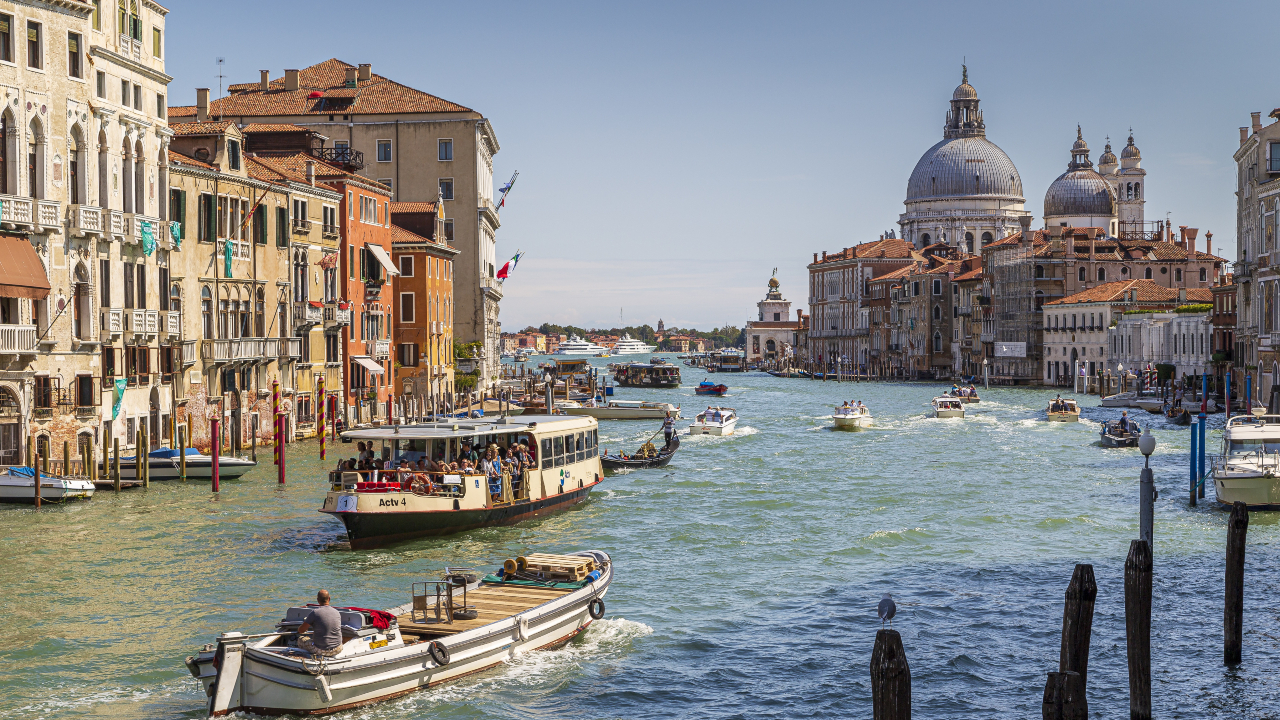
491,602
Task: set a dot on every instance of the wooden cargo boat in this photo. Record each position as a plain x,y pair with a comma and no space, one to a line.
1062,410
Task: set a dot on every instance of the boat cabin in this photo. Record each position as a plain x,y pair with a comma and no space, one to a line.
647,375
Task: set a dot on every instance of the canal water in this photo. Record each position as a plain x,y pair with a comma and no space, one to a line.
748,572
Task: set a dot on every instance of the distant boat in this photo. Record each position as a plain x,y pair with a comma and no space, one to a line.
577,346
848,417
715,421
947,407
630,346
1062,410
706,387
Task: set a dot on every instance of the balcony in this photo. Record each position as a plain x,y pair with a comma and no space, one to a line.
116,225
378,349
304,313
270,347
344,317
189,352
143,322
345,157
24,213
329,232
987,337
301,227
17,339
965,311
86,220
290,348
173,323
239,249
112,323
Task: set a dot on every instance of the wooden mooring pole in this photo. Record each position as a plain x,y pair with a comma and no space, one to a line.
115,462
1064,697
1077,623
216,448
35,468
1233,611
1137,627
890,678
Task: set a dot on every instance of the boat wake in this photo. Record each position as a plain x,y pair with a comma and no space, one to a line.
740,431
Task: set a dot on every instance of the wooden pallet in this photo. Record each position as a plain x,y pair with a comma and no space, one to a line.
571,568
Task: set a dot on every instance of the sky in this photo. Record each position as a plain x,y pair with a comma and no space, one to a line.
672,155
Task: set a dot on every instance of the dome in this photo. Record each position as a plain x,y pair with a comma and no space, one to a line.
964,167
1079,146
1079,193
1130,151
1107,157
964,91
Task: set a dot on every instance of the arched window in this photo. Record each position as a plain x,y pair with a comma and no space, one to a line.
81,312
36,145
75,166
1039,299
986,238
1102,274
1204,275
770,346
126,180
1137,191
1124,271
937,312
175,297
1082,275
1129,191
104,187
924,239
937,342
224,320
968,241
139,179
1039,271
206,312
1147,275
260,313
42,446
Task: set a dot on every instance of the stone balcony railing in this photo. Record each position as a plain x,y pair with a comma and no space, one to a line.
378,349
290,348
17,339
304,313
143,322
24,213
173,323
86,220
987,337
112,322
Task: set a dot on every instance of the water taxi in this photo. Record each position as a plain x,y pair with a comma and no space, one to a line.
378,507
630,346
647,375
948,407
626,410
1062,410
1249,468
577,346
852,417
18,485
706,387
453,627
714,421
1121,433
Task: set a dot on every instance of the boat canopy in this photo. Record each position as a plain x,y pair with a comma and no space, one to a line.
470,428
171,453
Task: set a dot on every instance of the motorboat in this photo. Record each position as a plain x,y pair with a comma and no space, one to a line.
166,464
577,346
457,626
1248,470
648,456
706,387
714,421
1124,399
630,346
852,417
1152,404
18,485
626,410
948,407
1121,433
381,507
964,395
1062,410
647,375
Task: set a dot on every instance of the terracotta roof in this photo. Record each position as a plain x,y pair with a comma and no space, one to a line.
974,274
179,159
896,274
258,170
176,111
883,248
1149,292
269,128
400,235
412,207
209,127
374,96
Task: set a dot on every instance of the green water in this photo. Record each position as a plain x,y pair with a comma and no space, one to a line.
748,572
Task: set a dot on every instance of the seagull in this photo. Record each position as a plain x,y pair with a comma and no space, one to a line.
887,610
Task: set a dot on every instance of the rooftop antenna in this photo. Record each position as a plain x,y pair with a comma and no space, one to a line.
220,76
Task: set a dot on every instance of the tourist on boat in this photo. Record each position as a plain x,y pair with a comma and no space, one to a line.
326,625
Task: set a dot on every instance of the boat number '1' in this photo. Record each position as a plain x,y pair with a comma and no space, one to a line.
347,503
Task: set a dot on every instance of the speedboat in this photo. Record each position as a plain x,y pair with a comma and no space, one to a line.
630,346
624,410
706,387
1121,433
166,464
1062,410
577,346
714,421
947,407
1151,404
1124,399
851,417
1249,467
451,628
18,485
963,395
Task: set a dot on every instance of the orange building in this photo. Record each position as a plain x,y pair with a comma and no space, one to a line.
424,311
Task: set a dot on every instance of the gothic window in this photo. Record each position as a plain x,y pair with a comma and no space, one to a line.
937,312
937,342
1137,191
206,312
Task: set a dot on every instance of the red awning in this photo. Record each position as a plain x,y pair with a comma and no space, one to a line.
22,274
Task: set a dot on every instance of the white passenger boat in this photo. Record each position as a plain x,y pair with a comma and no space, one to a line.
577,346
626,410
18,485
630,346
852,417
1249,468
451,628
1062,410
166,464
714,421
948,407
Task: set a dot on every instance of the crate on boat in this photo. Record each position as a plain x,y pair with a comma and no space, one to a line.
572,568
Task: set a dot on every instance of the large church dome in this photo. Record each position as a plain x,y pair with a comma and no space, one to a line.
963,167
1080,191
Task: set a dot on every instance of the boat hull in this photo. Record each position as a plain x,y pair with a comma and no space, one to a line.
1115,441
1119,400
1259,492
714,429
198,467
21,490
607,413
717,390
847,422
1062,416
948,413
371,530
1151,406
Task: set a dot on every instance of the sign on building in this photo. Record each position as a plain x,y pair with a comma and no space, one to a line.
1011,349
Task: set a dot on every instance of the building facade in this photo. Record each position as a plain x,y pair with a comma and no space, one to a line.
772,336
424,318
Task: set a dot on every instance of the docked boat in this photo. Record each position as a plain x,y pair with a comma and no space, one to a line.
1153,405
577,346
648,456
1062,410
715,421
1124,399
377,508
626,410
1249,468
630,346
647,375
706,387
1121,433
727,360
852,417
18,485
947,407
457,626
166,464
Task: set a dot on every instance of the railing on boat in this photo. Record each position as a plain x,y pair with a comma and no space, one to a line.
430,484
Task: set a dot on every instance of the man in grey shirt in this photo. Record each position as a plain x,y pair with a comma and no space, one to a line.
326,640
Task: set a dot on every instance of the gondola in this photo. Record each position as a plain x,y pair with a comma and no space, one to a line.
635,462
1178,416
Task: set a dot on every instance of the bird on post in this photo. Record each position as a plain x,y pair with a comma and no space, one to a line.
887,610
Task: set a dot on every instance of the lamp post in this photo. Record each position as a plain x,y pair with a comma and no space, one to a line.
1120,375
1147,489
986,382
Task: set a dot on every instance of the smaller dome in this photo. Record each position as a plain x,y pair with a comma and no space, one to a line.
1107,157
1079,193
964,91
773,283
1131,151
1080,145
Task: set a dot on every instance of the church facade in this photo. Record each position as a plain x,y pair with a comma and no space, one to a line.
772,336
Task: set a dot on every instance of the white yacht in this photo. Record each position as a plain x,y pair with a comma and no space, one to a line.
947,407
715,421
852,417
1249,468
577,346
630,346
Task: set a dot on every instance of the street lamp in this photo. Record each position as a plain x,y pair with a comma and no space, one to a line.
1147,493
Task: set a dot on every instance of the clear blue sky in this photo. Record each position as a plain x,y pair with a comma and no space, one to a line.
672,154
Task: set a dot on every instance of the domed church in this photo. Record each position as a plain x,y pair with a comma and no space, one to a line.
964,191
1110,197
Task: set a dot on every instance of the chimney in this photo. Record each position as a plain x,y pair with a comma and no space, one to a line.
1191,239
1025,221
1182,236
1208,243
1092,244
815,257
1244,135
264,81
366,71
290,79
202,104
351,77
1257,120
824,256
311,172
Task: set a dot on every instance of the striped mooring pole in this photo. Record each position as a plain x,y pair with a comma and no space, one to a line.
275,417
324,400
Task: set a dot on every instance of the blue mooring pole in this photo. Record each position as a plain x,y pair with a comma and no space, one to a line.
1192,460
1248,394
1226,396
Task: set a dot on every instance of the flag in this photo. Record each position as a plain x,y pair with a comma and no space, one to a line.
506,188
509,266
120,385
148,238
226,257
175,232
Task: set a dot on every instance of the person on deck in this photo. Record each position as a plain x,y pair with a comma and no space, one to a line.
668,427
326,625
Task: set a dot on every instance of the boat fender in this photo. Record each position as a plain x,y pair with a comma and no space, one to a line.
439,653
522,628
322,687
596,609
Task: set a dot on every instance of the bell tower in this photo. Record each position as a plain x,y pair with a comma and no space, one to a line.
1131,187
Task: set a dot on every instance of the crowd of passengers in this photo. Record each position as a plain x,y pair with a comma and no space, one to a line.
491,460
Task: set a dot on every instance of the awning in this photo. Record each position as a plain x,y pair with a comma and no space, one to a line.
381,253
21,272
367,363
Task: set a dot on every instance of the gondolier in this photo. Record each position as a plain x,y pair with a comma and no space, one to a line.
669,428
326,623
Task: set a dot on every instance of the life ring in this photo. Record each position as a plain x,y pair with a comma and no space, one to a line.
439,653
596,609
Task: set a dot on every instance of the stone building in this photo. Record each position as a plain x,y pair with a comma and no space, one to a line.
838,296
419,146
1177,340
1223,318
1256,276
424,297
772,336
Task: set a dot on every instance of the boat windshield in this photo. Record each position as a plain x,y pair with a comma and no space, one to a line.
1249,445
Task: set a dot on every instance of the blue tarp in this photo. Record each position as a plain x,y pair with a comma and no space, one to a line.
22,471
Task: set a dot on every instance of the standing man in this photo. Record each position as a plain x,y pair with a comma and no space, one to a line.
326,640
668,427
